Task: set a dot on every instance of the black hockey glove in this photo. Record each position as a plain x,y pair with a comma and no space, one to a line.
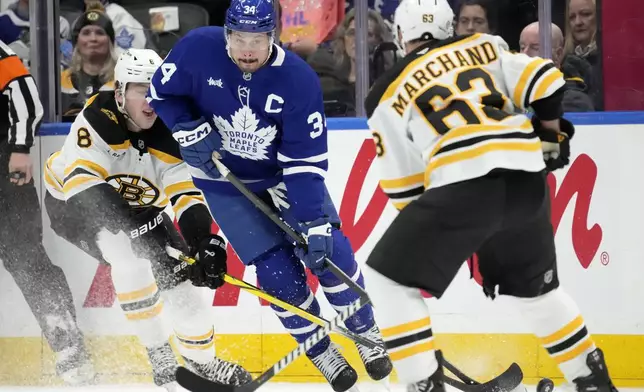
555,145
210,267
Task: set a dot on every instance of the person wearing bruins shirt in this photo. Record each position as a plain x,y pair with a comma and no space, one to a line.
468,173
106,189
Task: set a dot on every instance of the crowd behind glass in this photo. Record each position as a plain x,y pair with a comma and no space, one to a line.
93,33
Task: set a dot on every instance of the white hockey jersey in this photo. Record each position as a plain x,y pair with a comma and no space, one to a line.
145,168
453,110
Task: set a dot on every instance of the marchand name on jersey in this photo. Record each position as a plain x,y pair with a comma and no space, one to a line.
460,58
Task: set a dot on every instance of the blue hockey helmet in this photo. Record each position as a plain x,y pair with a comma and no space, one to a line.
252,16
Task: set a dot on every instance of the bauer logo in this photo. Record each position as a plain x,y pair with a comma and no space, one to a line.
151,225
188,138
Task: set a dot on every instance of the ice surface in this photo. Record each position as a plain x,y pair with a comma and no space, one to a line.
270,387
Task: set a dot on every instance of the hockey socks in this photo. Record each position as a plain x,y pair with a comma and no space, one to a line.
405,325
556,321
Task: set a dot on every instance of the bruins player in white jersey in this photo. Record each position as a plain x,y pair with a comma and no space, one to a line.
468,174
106,189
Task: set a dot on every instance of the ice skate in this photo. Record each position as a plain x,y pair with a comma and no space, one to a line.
378,365
74,367
221,371
433,383
164,365
335,369
599,380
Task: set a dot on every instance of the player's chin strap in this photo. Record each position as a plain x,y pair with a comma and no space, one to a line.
121,108
506,382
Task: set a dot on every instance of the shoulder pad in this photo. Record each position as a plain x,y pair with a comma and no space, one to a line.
104,117
159,138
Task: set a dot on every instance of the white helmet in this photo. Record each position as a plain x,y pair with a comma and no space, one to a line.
136,66
417,19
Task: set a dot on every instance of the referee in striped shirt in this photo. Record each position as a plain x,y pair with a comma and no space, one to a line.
42,284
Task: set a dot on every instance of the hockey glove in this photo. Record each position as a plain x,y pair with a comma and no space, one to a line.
198,141
555,144
318,236
210,267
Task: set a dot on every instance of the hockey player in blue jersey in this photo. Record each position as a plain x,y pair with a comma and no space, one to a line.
234,91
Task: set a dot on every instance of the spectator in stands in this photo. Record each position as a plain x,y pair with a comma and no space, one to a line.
14,31
93,60
476,16
576,97
337,69
128,32
580,40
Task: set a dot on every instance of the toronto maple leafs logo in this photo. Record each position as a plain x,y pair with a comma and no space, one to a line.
242,135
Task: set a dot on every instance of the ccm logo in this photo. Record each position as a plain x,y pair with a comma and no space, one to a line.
147,227
248,21
188,138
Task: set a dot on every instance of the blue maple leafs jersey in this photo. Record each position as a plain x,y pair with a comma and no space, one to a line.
271,122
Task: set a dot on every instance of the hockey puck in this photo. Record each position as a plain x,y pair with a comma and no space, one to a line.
545,385
17,175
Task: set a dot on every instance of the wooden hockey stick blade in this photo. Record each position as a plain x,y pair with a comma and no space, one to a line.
195,383
505,382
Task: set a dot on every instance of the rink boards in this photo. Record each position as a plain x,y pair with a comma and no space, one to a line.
598,210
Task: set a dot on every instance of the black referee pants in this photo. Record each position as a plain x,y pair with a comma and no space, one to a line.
42,284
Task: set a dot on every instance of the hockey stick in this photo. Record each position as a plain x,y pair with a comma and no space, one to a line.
195,383
177,254
466,386
272,215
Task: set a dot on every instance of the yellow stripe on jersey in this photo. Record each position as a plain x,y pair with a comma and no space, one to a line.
403,182
164,157
90,100
50,171
78,180
546,83
85,164
524,79
529,146
49,179
122,146
184,202
474,130
398,83
180,187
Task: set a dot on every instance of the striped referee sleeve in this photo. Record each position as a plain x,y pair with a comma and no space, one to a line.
25,109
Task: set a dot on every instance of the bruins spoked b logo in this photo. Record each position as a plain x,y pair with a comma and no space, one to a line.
137,190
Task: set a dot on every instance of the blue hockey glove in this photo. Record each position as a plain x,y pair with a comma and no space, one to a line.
320,244
198,141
